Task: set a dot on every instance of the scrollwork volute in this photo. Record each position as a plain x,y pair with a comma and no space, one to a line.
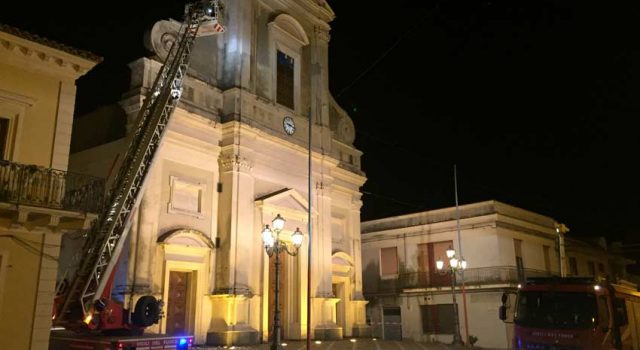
163,34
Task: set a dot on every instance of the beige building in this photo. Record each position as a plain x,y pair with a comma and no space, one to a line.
227,166
39,200
502,244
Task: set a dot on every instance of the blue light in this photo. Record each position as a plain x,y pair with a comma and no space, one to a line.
182,341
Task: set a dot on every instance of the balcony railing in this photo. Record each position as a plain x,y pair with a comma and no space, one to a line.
472,277
50,188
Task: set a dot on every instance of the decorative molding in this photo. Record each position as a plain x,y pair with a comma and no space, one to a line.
26,101
163,34
233,291
321,34
196,235
235,162
47,42
183,193
44,57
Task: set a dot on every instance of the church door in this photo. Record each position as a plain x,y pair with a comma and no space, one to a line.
177,303
283,293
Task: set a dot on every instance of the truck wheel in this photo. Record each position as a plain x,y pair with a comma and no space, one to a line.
147,311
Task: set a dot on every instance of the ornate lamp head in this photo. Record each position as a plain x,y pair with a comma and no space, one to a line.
267,237
297,237
278,223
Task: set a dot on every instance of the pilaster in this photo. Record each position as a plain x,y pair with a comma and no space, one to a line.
236,61
64,121
320,76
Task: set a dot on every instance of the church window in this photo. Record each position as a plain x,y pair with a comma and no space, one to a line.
287,39
285,79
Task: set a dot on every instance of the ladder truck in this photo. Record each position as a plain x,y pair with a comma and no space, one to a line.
85,306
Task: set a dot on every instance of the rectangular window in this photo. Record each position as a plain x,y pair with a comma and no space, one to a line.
592,268
284,79
573,266
4,133
389,261
547,258
437,318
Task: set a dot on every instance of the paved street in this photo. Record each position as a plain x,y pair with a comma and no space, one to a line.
359,344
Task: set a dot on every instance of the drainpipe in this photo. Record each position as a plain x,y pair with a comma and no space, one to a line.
561,230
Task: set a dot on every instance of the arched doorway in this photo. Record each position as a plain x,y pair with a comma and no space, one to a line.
341,282
186,260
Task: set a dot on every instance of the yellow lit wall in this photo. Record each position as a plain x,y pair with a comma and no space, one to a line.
37,95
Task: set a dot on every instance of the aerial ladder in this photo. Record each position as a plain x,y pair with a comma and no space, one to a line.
86,304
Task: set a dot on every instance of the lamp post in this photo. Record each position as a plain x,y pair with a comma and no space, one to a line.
273,245
455,266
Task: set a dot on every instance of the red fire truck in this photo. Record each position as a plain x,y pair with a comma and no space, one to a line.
572,313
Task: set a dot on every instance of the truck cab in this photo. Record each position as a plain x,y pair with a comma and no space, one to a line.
572,313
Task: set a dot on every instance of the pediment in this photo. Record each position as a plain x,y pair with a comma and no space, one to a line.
287,198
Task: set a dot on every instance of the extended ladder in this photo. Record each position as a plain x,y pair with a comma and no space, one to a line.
107,235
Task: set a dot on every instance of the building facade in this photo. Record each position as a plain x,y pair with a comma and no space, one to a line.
502,245
235,155
39,200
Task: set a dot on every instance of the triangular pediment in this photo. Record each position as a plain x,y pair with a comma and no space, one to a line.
287,198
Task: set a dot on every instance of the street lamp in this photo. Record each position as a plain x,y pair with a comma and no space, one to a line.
273,246
455,266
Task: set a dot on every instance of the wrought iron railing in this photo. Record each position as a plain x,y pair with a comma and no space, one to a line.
50,188
472,277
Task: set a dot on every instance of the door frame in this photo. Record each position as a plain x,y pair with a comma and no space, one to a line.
197,284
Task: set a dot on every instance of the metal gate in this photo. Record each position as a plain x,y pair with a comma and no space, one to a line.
391,323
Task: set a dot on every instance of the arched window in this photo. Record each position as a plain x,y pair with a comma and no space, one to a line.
287,39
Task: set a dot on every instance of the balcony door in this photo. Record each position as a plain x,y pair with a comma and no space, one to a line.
438,251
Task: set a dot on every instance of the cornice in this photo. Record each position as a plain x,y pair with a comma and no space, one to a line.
50,43
27,54
320,15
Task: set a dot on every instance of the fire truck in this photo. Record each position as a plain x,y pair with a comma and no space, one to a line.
558,313
84,308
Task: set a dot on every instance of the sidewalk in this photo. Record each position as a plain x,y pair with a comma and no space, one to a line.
346,344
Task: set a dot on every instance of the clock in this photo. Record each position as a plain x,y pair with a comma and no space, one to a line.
289,125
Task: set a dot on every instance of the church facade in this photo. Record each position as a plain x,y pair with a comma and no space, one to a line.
256,134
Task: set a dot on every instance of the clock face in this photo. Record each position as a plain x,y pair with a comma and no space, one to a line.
289,125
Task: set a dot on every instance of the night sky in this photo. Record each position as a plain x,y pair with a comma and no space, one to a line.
535,101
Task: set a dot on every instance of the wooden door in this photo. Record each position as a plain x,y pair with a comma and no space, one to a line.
283,292
177,302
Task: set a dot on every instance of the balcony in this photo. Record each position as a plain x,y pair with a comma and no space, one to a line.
473,277
35,186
